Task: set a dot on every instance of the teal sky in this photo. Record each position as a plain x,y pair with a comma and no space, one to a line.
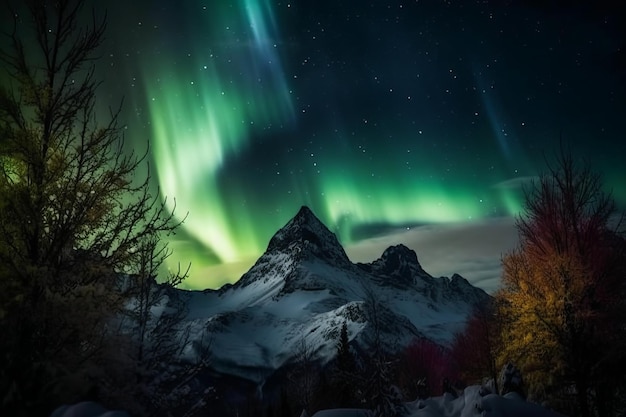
383,117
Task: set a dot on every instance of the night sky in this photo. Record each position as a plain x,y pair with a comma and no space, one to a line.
413,122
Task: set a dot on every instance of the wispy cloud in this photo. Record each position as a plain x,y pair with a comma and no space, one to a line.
473,250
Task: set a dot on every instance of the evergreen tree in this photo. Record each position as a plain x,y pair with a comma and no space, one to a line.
345,358
345,380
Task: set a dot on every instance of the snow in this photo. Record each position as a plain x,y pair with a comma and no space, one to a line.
303,288
470,403
494,405
260,325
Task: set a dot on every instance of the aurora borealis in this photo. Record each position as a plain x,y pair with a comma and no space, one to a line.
383,117
212,117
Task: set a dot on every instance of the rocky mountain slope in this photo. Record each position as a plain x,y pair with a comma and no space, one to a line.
301,290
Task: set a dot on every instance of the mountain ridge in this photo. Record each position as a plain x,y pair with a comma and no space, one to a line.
303,287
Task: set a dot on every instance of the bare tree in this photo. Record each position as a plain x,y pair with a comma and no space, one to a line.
384,396
304,375
158,337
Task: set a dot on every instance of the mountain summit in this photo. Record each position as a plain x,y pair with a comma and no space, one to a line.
306,236
294,256
399,263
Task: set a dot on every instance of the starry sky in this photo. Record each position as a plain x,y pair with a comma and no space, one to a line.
414,122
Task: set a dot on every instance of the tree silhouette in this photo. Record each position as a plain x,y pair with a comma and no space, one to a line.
72,213
346,383
305,374
475,350
563,288
345,359
380,393
427,365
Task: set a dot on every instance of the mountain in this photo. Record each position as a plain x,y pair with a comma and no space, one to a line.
301,290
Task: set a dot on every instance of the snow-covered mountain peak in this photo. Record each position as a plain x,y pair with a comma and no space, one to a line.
305,237
462,285
287,264
397,262
304,287
401,260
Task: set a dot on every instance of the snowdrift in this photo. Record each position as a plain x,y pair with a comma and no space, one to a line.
471,404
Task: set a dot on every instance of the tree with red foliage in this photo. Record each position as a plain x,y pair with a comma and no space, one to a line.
426,366
563,289
474,351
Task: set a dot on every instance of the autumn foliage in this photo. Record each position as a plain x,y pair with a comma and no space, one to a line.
474,350
563,289
427,366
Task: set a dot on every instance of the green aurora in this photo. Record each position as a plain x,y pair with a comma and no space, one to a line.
239,143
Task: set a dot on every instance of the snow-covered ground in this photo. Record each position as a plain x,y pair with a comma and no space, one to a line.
470,404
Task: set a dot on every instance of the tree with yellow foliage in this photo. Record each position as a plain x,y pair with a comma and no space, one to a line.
563,289
73,215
